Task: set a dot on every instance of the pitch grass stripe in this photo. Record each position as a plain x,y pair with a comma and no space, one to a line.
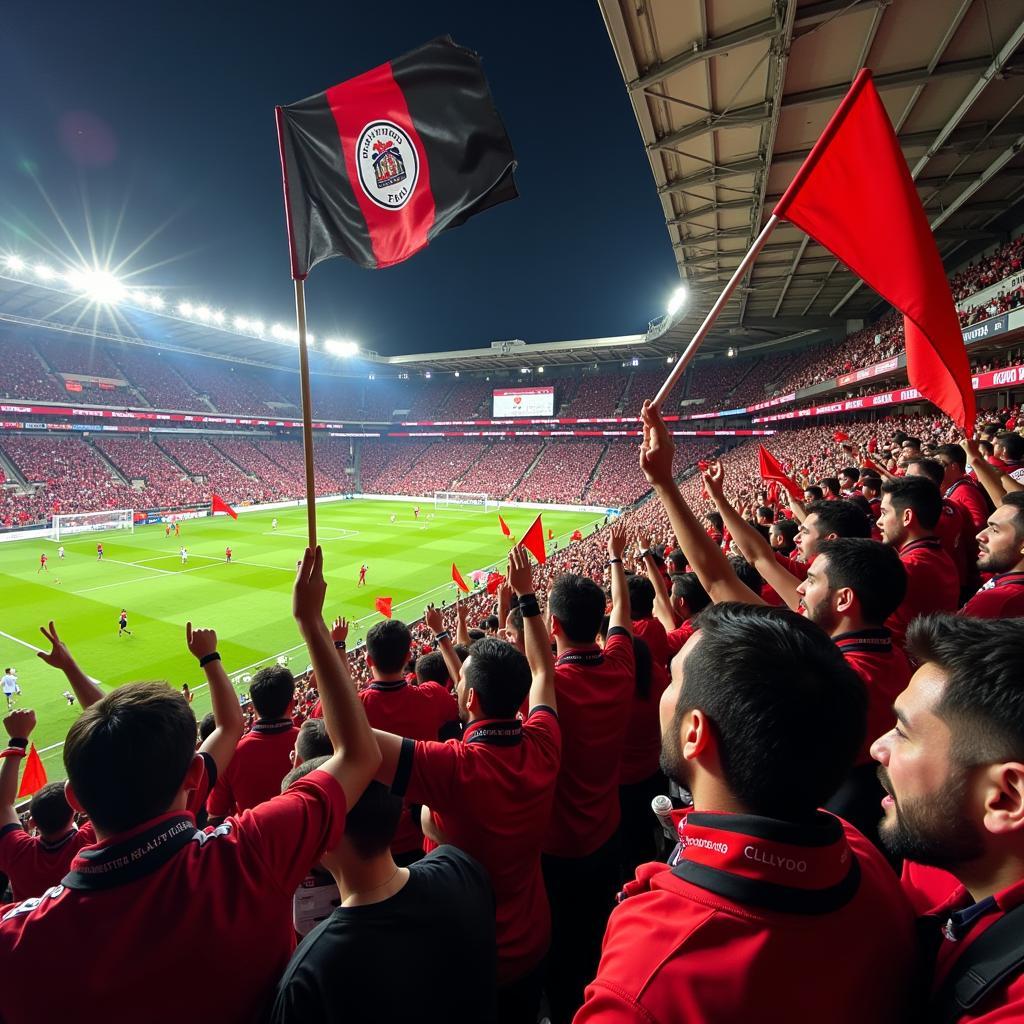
24,643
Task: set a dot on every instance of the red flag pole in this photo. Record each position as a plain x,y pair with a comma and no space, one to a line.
702,332
307,409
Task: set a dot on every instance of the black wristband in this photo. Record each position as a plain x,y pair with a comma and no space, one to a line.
615,561
529,607
18,741
339,645
207,658
646,552
443,635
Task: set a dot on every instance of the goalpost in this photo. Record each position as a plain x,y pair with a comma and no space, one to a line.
471,502
90,522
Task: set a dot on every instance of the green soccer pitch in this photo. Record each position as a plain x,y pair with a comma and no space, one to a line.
248,602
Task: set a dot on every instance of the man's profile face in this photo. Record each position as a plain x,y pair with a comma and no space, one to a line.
999,544
927,812
462,691
890,523
816,596
673,764
808,535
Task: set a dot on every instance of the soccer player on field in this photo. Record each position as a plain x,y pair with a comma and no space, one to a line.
227,554
122,623
394,518
10,686
177,529
362,576
167,529
99,552
42,565
273,523
184,555
416,511
60,551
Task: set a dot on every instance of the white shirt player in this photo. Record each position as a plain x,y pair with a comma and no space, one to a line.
273,523
60,551
184,555
394,518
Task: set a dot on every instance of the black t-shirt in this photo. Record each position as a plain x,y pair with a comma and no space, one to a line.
426,954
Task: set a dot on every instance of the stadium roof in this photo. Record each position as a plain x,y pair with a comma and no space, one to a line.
730,95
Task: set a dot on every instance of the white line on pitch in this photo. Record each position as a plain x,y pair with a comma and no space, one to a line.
24,643
117,561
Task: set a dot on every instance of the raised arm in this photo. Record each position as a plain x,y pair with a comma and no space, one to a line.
356,754
996,483
435,622
504,596
19,725
704,555
535,635
227,712
620,614
85,688
461,629
796,506
663,610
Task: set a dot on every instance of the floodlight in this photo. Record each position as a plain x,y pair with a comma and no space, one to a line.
185,308
97,286
341,346
202,313
13,262
155,302
427,375
240,323
256,326
278,331
218,316
43,272
540,369
456,373
677,301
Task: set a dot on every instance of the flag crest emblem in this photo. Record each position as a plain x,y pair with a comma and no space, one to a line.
388,164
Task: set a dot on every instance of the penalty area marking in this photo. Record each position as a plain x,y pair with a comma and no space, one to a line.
327,532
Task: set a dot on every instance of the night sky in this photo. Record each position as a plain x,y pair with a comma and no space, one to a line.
158,118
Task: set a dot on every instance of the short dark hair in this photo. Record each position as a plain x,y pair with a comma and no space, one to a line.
499,674
788,528
126,755
872,480
206,726
983,701
788,711
954,453
932,469
816,493
578,603
746,573
871,570
641,596
1015,499
913,442
476,634
687,587
840,517
272,689
917,493
1013,443
851,473
515,620
431,668
371,823
765,513
313,740
831,483
715,519
491,622
676,559
50,809
388,644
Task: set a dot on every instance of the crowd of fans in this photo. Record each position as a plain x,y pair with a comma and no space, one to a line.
163,483
561,473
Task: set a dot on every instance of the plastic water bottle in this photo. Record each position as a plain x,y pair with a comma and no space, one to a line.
661,805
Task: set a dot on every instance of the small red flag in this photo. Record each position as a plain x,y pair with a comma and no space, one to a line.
218,504
771,470
772,494
504,526
840,436
494,580
869,464
383,605
576,535
855,196
34,777
459,581
533,541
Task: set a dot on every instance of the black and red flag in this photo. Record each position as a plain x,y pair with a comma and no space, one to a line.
378,166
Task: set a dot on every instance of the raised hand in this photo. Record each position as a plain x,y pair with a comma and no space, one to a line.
657,449
310,588
714,478
201,642
520,576
60,657
339,631
432,617
617,540
20,723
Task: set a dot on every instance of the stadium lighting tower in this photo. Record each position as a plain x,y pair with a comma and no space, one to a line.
677,301
13,262
101,287
341,347
43,272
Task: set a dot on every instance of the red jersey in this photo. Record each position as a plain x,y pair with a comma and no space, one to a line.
1001,598
418,712
966,493
885,671
956,533
595,694
926,887
652,632
42,559
933,584
677,638
961,922
221,899
490,794
793,565
757,915
254,775
32,864
642,751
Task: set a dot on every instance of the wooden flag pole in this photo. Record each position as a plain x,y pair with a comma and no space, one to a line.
307,409
713,314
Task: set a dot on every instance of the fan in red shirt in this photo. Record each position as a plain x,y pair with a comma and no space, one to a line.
426,711
1001,546
960,488
767,901
491,792
156,897
911,507
595,696
952,766
263,756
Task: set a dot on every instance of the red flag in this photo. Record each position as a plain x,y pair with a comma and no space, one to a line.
869,464
533,541
383,605
772,495
504,526
34,777
840,436
459,581
218,504
494,580
576,535
771,470
854,195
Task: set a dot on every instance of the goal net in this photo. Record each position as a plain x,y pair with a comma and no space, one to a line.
465,500
92,522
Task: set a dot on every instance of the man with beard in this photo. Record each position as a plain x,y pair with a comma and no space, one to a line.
953,766
767,901
1001,552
